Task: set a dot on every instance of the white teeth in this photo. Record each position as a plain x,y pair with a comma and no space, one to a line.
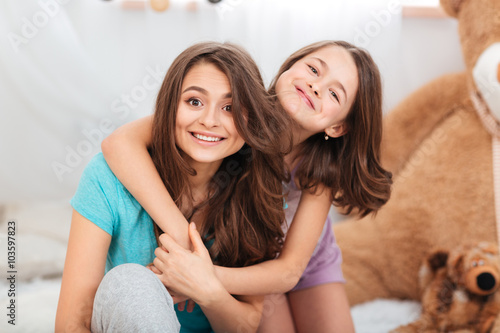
206,138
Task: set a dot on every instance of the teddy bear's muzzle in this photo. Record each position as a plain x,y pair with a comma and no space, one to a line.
482,280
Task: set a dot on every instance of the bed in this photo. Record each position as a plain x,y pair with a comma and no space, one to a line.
40,241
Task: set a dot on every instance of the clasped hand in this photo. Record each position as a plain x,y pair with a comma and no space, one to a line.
186,274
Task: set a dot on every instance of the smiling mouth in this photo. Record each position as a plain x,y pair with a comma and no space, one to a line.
305,98
207,138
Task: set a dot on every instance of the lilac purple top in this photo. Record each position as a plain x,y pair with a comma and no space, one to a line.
325,263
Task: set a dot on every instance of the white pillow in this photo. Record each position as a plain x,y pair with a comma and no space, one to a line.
41,237
36,256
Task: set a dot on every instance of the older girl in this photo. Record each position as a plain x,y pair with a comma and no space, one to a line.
332,91
211,102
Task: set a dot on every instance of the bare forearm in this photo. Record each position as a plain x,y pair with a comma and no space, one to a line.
282,274
279,275
227,314
125,151
150,192
83,271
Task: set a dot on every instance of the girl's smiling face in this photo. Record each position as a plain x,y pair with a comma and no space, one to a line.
319,90
205,130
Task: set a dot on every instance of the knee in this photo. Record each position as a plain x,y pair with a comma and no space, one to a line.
131,272
129,293
128,278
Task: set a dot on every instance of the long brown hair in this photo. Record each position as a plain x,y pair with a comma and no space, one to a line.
348,165
244,211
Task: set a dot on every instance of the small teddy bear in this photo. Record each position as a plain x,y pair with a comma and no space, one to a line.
459,290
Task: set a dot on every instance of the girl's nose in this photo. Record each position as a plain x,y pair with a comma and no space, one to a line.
209,117
314,89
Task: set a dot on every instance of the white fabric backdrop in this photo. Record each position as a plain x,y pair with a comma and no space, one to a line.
72,70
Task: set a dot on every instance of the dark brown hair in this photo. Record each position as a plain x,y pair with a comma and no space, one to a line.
244,211
348,165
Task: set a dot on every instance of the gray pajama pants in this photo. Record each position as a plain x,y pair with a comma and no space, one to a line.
131,298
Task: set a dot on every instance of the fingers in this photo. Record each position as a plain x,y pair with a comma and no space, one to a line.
154,269
158,265
168,243
196,240
190,305
185,305
160,254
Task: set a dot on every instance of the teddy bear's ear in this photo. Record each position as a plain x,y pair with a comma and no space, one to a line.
434,261
437,260
488,247
456,265
451,7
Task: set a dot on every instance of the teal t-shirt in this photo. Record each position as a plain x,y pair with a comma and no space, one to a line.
103,200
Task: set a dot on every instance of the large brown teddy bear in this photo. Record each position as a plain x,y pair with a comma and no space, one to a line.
440,152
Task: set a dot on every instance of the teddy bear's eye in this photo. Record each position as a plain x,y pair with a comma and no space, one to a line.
481,263
474,264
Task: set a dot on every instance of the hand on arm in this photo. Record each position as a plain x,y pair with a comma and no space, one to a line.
83,271
191,273
282,274
141,178
130,143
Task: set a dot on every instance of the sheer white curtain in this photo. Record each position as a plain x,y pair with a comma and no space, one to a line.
73,70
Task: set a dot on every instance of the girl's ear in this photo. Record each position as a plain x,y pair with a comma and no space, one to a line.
451,7
336,131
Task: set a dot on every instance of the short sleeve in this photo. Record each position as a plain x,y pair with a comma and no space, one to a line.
96,194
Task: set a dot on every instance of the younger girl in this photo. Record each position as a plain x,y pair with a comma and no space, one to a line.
211,102
332,91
